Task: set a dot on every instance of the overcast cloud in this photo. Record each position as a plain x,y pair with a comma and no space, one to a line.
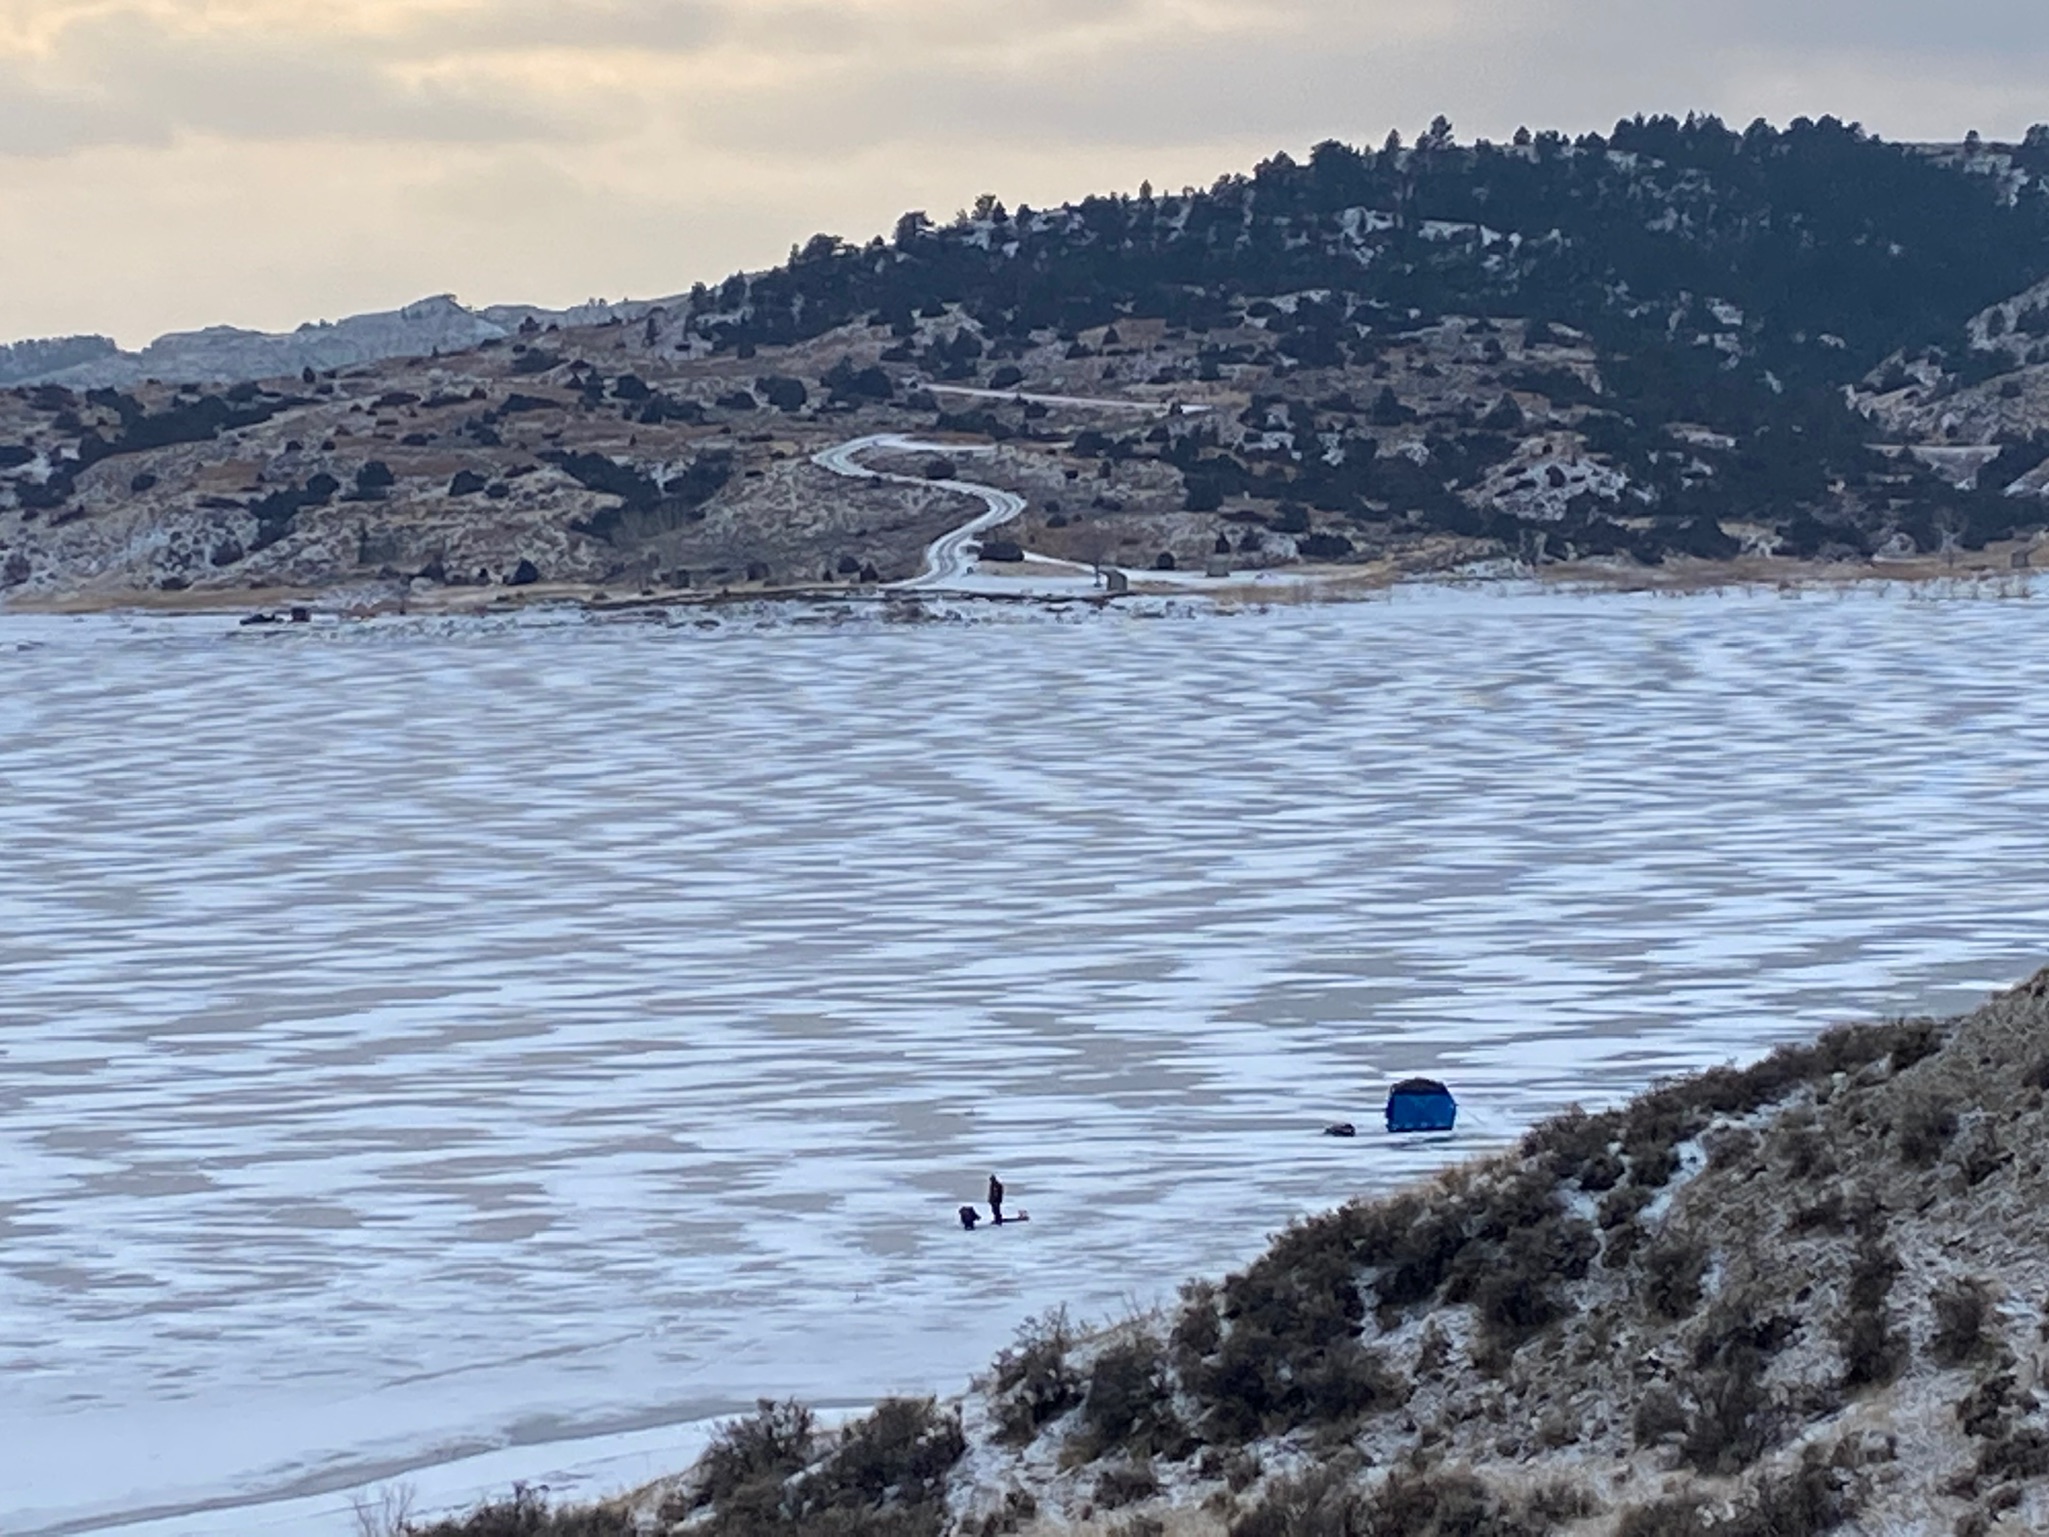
174,163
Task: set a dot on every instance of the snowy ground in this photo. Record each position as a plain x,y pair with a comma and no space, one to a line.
428,1041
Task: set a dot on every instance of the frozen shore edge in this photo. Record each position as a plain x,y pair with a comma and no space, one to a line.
996,594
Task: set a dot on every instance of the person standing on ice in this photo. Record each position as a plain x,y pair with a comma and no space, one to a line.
996,1199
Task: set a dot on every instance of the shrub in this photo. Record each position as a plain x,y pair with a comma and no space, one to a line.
1433,1351
1925,1127
1323,546
2021,1453
527,1514
1872,1352
1321,1503
1733,1422
1805,1147
1619,1207
1129,1402
782,392
1198,1329
1568,1141
902,1452
1913,1041
1728,1148
1731,1426
1127,1484
1410,1503
1291,1353
1673,1271
1561,1501
1982,1156
771,1446
850,385
1806,1501
1986,1412
1436,1503
1826,1215
1036,1377
1518,1294
1659,1413
884,1476
1961,1309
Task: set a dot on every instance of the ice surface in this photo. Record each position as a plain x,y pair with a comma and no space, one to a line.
418,1041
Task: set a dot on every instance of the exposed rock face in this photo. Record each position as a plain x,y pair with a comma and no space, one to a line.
225,353
35,362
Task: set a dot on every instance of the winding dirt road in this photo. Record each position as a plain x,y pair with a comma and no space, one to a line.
946,558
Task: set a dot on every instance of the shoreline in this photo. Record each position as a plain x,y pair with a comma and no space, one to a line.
1304,584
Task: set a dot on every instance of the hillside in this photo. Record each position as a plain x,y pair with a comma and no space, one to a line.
1671,348
1797,1298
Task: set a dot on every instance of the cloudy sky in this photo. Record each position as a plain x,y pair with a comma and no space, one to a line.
174,163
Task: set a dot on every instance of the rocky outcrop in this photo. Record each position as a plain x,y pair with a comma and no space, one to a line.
223,353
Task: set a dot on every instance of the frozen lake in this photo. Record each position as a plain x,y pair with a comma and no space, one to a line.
417,1040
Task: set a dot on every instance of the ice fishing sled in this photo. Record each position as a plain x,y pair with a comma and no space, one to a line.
1421,1104
971,1218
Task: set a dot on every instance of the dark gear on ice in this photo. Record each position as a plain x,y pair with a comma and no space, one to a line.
969,1217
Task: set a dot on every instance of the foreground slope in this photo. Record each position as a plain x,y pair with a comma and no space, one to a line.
1804,1296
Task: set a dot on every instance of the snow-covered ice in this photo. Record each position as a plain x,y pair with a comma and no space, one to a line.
429,1042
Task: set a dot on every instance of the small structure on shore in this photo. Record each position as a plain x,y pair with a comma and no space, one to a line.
1421,1104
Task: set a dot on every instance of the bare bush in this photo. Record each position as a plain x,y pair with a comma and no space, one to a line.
1035,1377
775,1443
526,1513
387,1513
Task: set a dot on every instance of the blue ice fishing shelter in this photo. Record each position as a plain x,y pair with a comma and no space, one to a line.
1421,1104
